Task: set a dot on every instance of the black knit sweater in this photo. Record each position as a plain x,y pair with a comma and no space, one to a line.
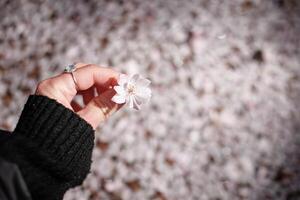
52,147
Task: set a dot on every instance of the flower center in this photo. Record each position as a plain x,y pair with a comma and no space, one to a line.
130,89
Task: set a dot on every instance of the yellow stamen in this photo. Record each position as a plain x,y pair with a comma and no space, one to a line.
130,89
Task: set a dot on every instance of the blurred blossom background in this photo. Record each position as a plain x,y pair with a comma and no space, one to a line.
224,120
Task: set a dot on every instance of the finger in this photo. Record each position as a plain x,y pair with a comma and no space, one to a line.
76,107
87,95
79,65
86,77
90,75
99,108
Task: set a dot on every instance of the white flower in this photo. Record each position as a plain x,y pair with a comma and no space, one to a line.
132,90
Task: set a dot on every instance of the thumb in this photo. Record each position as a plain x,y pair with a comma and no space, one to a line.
99,108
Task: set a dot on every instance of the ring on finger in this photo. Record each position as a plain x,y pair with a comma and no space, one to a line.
71,69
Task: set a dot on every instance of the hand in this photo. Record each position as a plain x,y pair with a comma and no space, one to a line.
89,77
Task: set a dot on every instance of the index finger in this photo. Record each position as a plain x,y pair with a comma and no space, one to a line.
93,75
86,77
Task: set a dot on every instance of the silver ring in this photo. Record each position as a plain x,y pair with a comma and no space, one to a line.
70,69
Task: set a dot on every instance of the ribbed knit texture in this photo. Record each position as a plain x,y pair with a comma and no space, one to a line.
52,147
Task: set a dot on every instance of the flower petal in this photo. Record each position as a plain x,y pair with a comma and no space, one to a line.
143,82
133,103
130,101
141,100
123,78
143,92
120,90
136,105
119,99
135,78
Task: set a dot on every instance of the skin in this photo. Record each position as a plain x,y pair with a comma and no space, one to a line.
97,107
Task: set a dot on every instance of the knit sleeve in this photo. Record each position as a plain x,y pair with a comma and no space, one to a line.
52,147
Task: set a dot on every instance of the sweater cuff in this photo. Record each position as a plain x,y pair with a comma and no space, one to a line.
61,136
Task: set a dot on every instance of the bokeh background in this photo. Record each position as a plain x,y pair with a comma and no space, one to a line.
224,120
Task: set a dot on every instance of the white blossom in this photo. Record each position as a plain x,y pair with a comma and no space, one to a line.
133,90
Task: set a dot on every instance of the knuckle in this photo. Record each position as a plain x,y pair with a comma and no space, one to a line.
41,85
44,85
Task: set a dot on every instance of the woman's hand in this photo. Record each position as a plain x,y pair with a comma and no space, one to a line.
89,77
